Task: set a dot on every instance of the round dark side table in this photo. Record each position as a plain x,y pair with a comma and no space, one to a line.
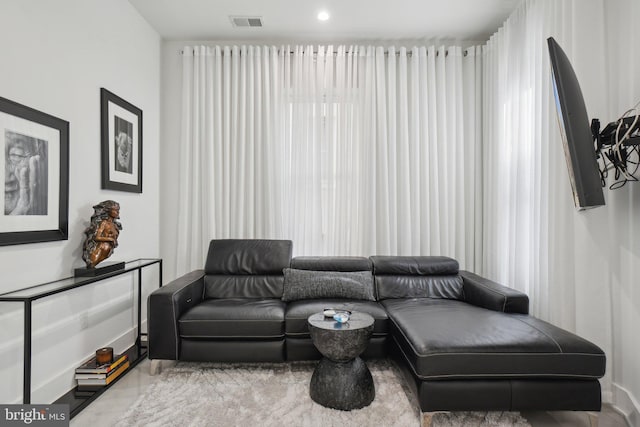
341,380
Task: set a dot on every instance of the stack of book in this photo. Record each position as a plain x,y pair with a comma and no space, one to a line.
92,377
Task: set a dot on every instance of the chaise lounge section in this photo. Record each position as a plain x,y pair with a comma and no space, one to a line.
467,343
463,342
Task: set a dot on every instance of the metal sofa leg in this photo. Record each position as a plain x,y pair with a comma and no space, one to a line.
593,418
427,417
155,367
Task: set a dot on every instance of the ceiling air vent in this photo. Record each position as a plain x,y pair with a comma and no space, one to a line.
246,21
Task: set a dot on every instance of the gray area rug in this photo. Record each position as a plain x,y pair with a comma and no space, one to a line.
208,394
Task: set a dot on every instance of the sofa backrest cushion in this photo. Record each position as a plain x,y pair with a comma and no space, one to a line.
248,256
331,263
417,277
246,268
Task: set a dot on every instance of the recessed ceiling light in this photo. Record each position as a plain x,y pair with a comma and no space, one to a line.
323,16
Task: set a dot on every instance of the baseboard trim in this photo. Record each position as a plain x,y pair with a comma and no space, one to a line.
625,403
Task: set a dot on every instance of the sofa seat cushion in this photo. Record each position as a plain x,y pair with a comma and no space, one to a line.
298,312
231,318
448,339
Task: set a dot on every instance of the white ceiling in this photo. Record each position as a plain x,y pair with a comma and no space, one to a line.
351,20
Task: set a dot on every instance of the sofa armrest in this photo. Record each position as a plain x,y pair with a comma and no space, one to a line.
488,294
165,306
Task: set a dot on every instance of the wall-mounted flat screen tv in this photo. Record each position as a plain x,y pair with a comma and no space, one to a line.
574,124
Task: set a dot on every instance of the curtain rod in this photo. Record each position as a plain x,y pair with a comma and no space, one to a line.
386,52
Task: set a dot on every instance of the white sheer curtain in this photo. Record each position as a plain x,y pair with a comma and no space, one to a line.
345,150
230,178
420,126
527,200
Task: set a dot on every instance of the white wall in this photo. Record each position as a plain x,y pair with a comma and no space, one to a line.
56,55
170,158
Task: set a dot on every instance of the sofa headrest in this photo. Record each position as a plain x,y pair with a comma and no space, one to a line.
417,277
248,256
414,265
331,263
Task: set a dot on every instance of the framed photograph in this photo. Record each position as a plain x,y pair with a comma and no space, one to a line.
36,175
121,130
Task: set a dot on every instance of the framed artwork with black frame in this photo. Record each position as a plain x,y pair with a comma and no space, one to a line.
121,137
36,175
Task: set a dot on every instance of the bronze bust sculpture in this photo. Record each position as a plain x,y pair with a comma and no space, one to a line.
102,233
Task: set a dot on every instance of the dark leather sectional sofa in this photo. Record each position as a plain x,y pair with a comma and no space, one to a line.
463,342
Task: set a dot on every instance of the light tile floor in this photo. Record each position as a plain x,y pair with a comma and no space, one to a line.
106,410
